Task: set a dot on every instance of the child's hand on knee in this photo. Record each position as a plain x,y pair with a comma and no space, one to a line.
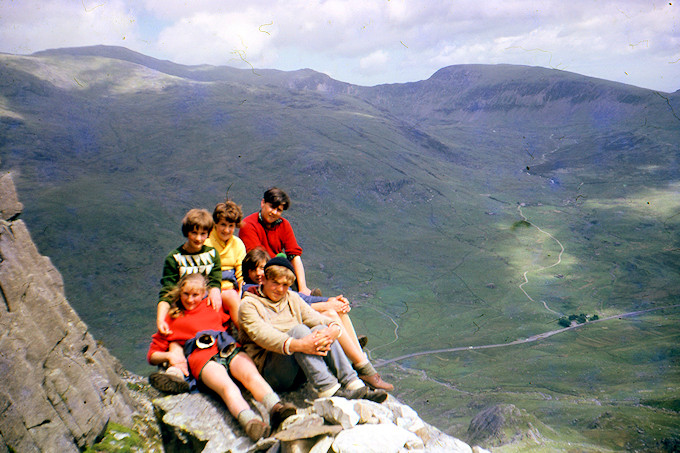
346,307
335,304
339,304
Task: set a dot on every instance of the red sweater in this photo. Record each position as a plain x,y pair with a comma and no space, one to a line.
185,327
274,239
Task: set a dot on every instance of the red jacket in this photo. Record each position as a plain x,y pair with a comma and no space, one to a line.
275,238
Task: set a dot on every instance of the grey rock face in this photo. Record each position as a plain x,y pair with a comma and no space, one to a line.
60,388
10,207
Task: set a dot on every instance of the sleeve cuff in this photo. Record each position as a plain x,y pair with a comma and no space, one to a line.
335,323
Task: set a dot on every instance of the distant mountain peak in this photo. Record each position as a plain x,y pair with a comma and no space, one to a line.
114,52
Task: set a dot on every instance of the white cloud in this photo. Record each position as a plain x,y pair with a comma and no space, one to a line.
33,25
227,38
367,41
374,63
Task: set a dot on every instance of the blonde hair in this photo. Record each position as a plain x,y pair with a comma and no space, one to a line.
176,307
278,272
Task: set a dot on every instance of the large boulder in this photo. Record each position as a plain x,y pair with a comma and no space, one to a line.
60,388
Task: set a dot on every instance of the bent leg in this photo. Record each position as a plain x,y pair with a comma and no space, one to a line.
314,366
231,302
243,369
348,339
216,378
337,364
349,329
349,342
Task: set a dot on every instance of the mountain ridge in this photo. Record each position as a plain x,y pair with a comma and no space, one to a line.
200,73
427,205
169,67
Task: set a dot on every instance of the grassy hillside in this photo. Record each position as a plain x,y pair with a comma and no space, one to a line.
475,208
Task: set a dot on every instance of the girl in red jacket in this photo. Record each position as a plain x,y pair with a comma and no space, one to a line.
198,332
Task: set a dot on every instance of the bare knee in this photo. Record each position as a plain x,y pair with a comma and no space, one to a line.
331,314
242,366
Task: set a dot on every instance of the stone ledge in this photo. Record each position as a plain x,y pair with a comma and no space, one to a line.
200,422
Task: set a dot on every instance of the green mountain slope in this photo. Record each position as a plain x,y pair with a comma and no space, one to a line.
474,208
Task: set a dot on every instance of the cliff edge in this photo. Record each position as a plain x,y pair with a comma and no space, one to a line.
60,388
62,391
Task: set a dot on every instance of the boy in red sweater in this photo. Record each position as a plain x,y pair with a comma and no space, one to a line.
267,229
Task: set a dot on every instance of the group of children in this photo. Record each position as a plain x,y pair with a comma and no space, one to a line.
226,312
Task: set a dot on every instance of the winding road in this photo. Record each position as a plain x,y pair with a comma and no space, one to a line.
540,336
559,260
533,338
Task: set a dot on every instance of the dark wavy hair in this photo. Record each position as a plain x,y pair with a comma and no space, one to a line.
251,261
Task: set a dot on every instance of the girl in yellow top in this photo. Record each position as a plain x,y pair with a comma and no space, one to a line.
227,217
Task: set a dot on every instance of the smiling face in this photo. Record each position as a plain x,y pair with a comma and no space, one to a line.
274,289
225,229
270,213
257,275
195,239
191,294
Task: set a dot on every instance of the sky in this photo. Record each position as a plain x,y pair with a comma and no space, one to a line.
368,42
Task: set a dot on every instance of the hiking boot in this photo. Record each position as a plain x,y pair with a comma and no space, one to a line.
256,429
316,292
375,382
168,383
280,412
351,394
363,393
363,341
377,396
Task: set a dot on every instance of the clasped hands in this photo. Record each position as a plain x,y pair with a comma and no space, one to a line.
339,304
319,342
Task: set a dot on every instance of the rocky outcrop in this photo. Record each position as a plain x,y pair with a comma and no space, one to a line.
59,387
198,422
504,424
